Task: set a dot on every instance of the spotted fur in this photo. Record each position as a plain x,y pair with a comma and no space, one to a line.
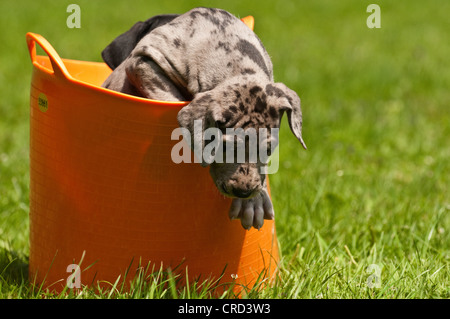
211,58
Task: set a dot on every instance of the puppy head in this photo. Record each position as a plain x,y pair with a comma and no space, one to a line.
120,48
231,125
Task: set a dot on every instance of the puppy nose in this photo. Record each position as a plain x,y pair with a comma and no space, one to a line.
242,193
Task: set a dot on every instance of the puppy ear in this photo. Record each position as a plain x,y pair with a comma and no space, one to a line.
197,117
118,50
288,101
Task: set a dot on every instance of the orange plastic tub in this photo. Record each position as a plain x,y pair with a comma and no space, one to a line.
105,192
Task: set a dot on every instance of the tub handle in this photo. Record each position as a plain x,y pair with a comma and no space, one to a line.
249,21
59,69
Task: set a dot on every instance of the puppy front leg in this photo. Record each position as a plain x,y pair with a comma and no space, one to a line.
150,80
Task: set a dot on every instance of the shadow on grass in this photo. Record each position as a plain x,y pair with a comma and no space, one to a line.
13,267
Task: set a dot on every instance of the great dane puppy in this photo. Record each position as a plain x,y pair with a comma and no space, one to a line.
211,58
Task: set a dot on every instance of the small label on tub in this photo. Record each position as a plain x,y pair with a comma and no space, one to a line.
43,102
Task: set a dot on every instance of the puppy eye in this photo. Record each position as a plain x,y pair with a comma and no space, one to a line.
227,116
265,148
268,149
221,125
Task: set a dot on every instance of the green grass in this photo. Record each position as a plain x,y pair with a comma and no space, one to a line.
373,186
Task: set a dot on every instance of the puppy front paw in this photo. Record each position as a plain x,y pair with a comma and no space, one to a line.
252,211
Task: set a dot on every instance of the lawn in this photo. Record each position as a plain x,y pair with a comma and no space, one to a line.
370,196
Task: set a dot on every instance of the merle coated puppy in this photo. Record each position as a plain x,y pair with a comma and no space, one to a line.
211,58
